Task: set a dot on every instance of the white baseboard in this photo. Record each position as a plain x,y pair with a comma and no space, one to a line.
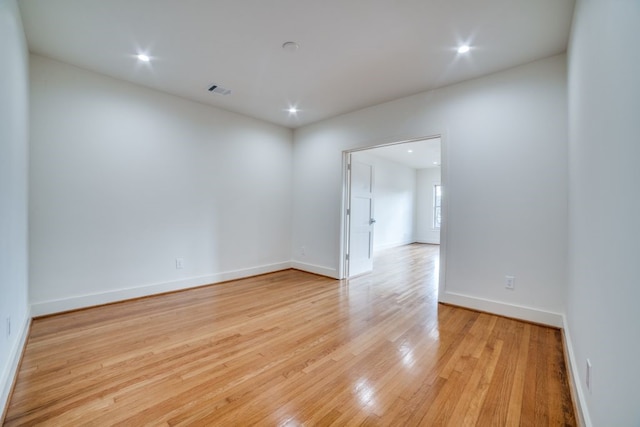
13,362
428,241
82,301
393,245
574,378
503,309
316,269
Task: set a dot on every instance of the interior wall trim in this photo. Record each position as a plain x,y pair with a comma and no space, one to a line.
315,269
11,372
573,370
528,314
45,308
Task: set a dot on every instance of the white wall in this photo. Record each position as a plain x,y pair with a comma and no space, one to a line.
425,180
125,179
394,194
504,216
14,138
603,319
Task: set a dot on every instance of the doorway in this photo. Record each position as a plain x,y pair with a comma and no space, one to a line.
392,197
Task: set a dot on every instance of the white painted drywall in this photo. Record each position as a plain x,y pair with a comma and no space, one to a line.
394,191
14,139
125,179
505,217
425,180
604,211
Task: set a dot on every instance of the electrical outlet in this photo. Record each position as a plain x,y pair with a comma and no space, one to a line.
8,327
179,263
589,376
303,250
510,282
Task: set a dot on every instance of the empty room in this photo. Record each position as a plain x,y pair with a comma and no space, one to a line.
217,212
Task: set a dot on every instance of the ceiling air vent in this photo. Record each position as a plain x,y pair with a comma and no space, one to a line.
219,89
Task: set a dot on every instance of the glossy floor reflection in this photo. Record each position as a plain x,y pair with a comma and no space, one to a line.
292,348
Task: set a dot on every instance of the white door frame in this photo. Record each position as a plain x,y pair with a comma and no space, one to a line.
343,265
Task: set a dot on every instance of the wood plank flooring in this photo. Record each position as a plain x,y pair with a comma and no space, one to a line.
292,348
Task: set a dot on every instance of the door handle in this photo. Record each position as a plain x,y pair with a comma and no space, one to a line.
372,221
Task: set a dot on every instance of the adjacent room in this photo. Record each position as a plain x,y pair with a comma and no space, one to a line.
319,213
393,198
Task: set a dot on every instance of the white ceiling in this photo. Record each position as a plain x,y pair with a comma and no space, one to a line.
421,154
353,53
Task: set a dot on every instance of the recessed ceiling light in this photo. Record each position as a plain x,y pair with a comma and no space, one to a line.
142,57
290,46
463,49
409,151
435,163
292,110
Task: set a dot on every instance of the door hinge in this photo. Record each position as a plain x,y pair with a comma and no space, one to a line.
348,166
348,211
347,257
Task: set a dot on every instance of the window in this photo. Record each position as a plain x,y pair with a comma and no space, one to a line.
437,206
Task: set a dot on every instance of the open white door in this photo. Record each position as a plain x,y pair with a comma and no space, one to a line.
361,219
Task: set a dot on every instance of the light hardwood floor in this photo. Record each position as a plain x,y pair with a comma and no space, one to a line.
292,348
